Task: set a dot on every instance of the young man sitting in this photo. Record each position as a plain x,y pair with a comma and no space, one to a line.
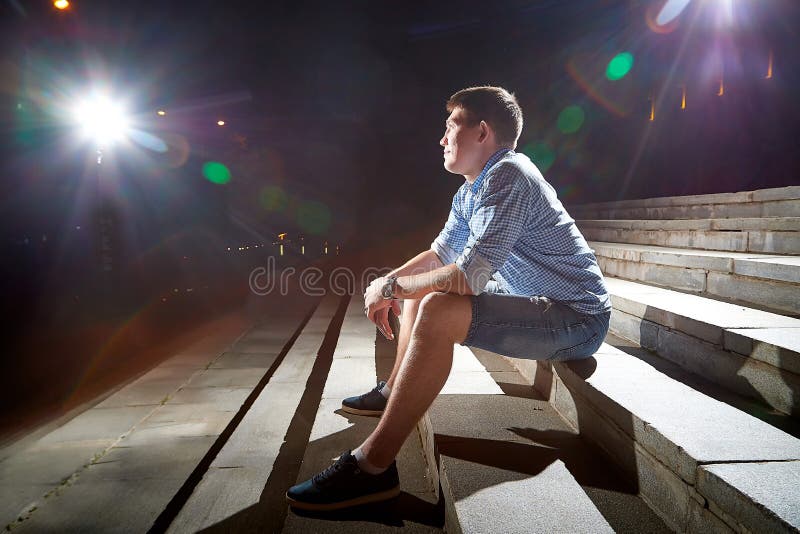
509,273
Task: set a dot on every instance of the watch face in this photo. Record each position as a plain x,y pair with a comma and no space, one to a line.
386,292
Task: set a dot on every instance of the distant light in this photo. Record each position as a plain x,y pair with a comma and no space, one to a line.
220,123
101,119
721,87
652,109
619,66
670,11
769,66
683,98
570,119
61,4
161,112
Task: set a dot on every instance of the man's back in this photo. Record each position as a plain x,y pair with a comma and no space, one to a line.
510,224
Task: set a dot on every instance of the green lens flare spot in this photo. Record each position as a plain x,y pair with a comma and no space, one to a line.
570,119
273,198
619,66
314,217
541,154
216,172
568,191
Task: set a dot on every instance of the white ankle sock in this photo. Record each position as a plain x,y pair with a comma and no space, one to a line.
385,391
364,465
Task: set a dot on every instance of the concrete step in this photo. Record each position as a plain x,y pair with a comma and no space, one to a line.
751,352
775,202
116,466
703,465
759,279
353,371
782,421
231,492
772,236
508,463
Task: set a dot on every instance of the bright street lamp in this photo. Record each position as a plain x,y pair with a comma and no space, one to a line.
101,120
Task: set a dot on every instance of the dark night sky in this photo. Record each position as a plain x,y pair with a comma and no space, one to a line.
334,109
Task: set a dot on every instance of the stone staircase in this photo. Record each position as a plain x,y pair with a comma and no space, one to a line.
710,283
685,419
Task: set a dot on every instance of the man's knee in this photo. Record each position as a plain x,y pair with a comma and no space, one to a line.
445,314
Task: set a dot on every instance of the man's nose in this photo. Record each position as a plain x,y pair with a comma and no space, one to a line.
443,140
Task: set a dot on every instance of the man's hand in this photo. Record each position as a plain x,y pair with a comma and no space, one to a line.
377,308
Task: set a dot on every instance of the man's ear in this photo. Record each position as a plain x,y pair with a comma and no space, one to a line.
484,131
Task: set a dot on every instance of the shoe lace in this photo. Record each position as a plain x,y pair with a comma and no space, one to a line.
331,472
377,389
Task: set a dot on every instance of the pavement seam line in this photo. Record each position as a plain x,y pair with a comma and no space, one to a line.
27,512
176,503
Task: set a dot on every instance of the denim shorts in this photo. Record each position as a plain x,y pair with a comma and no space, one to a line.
534,328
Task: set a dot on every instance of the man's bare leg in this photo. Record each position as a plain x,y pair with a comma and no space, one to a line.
442,319
410,308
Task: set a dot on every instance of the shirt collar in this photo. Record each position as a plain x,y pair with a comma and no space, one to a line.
497,156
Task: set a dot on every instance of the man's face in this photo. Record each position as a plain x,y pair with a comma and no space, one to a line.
462,150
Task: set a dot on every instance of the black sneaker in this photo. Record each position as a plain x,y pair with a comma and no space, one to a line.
343,485
370,403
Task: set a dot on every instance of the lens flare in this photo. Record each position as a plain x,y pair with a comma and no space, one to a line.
178,149
541,154
148,141
273,198
619,66
594,91
216,172
670,11
314,217
570,119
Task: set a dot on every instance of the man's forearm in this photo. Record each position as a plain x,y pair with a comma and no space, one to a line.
446,279
421,263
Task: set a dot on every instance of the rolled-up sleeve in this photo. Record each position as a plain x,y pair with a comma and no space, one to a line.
451,240
498,220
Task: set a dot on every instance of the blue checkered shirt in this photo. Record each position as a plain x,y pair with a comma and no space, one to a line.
510,227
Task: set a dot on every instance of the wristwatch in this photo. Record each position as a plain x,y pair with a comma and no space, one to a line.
387,291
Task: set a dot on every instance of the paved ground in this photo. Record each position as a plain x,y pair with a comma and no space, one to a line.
144,440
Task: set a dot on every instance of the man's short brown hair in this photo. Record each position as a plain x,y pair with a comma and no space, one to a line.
496,106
